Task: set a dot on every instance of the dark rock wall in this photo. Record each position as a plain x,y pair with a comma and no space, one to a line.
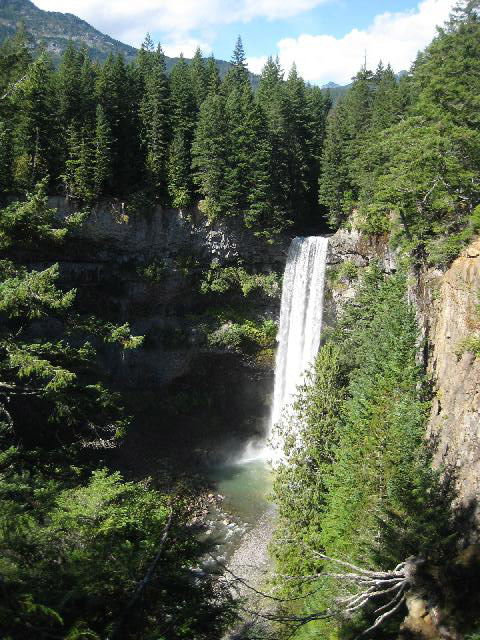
178,389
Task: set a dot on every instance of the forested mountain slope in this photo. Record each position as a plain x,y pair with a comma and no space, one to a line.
56,30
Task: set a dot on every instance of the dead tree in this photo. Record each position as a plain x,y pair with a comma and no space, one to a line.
381,591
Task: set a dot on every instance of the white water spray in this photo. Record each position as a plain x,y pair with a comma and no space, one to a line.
299,332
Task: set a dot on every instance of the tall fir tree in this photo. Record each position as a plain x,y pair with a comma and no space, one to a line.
183,125
70,90
296,134
102,162
155,117
198,78
35,135
210,150
386,106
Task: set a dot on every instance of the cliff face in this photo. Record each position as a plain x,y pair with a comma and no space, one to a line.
448,312
348,253
175,378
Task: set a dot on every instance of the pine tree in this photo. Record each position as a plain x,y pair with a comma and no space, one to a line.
237,74
5,159
70,89
102,163
240,147
213,76
78,178
386,105
199,78
270,97
183,125
156,127
296,133
15,58
334,184
116,94
88,77
264,213
210,154
35,135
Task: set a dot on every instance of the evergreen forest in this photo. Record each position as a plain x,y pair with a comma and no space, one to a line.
87,553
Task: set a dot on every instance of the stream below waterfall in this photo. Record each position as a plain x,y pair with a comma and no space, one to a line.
241,515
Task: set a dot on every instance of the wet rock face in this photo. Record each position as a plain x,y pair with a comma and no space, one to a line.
448,312
106,261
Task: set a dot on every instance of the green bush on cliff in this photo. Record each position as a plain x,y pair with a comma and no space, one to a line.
244,336
220,279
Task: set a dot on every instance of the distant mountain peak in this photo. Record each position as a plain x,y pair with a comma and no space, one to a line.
330,85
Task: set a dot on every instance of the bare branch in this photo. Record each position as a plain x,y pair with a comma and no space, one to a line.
14,87
382,618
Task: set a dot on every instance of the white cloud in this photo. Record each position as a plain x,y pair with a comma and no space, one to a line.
393,37
256,64
185,24
175,19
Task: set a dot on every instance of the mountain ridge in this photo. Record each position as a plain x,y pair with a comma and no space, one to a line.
56,29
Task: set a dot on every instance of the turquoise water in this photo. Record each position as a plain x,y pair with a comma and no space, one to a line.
245,487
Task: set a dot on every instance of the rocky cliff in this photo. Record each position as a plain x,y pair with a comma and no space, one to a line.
176,379
448,312
448,305
146,269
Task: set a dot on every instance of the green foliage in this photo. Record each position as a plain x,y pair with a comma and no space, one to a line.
76,555
245,336
153,272
222,279
78,541
403,157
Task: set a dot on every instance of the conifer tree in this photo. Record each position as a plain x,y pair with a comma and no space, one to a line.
70,90
199,78
156,126
334,184
210,150
238,107
296,131
386,104
88,73
35,134
5,159
318,106
102,164
213,76
270,97
183,125
15,58
77,178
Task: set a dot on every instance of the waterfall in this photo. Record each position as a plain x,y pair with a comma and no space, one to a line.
299,332
300,322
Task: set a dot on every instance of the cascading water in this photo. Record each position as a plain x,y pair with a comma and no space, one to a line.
300,328
299,333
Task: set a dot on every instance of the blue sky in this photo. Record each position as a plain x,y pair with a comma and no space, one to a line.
326,38
261,35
